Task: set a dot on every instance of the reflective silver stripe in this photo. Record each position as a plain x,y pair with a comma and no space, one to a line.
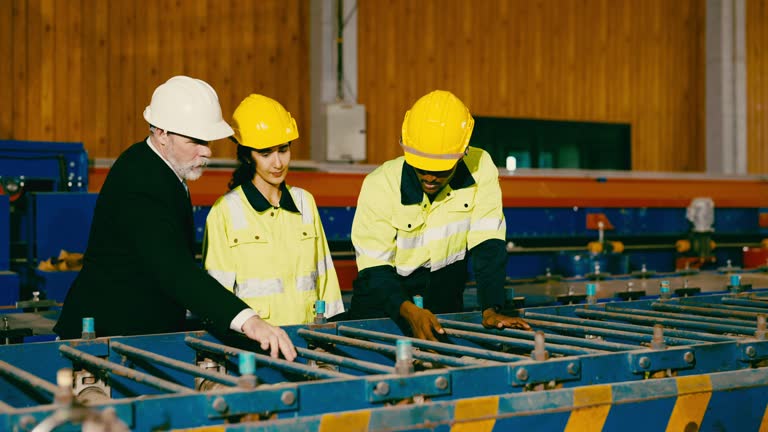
450,260
487,224
236,211
306,283
446,231
433,234
324,264
259,287
374,255
333,308
302,203
411,150
410,242
224,277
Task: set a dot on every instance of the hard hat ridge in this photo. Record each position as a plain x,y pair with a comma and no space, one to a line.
261,122
187,106
436,131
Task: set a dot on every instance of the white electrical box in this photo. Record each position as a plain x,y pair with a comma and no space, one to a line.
345,132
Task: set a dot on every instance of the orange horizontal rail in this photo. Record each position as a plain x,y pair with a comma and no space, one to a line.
630,192
341,190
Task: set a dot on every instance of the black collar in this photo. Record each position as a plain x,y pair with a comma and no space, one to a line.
260,204
410,189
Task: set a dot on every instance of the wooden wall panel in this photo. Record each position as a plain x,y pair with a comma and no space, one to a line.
94,108
757,86
632,61
6,69
19,80
83,70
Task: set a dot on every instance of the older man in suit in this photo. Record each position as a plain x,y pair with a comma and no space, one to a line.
139,274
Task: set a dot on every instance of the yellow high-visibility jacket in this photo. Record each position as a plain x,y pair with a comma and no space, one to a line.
276,259
397,226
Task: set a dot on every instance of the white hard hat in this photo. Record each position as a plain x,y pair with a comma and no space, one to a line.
187,106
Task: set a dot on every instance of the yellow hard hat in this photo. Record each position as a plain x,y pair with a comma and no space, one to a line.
261,122
436,131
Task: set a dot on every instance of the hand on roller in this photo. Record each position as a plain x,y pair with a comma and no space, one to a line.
270,337
422,321
493,319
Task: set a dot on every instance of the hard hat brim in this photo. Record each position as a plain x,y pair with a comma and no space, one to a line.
216,131
429,164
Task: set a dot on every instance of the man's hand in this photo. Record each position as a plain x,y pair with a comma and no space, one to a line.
493,319
270,337
422,321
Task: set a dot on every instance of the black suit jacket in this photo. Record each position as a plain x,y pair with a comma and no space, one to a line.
139,274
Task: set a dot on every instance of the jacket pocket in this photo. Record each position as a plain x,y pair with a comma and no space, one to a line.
408,221
409,230
248,237
307,232
463,201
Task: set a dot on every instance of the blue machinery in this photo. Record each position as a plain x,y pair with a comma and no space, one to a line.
44,207
670,361
600,361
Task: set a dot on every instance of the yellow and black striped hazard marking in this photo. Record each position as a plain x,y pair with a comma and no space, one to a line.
682,404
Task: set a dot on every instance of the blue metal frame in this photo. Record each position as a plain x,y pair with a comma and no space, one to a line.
63,164
152,377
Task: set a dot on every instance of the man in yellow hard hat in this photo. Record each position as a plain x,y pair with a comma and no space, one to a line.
421,216
140,274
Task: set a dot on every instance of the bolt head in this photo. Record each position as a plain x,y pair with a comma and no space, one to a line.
644,362
689,357
288,398
750,351
381,389
441,383
573,368
27,423
220,405
522,374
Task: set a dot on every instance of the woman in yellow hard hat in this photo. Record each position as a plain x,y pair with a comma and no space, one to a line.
264,239
421,216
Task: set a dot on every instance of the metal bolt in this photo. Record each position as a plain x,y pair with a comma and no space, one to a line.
522,374
644,362
381,389
573,368
441,383
750,351
288,398
539,351
760,333
689,357
657,342
27,422
220,405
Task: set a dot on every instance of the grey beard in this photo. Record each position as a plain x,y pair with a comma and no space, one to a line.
190,171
